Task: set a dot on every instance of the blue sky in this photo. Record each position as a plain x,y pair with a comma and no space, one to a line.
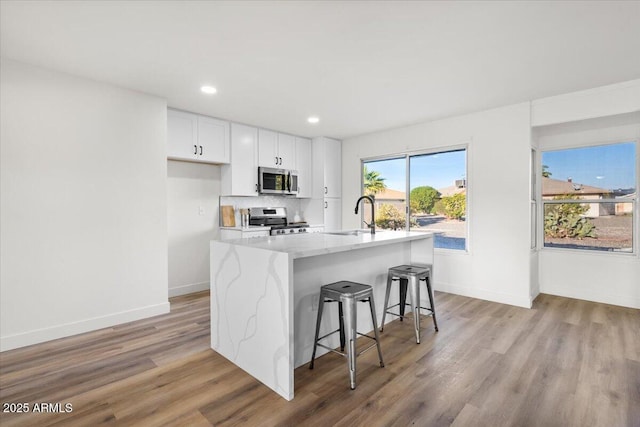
604,166
436,170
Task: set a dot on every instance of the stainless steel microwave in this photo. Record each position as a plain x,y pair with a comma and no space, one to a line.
277,181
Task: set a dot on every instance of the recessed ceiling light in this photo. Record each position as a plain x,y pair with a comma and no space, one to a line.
209,90
313,119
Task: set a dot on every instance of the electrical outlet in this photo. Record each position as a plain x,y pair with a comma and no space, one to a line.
201,210
314,303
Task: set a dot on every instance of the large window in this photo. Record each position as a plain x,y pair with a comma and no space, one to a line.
589,197
386,181
421,192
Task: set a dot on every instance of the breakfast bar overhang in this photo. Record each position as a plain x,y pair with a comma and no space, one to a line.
264,293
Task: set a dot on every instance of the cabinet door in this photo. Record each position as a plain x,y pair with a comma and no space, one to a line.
268,149
332,214
287,151
213,140
303,166
332,168
244,168
182,135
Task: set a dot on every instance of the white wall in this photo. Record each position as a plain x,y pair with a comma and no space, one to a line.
602,277
620,98
192,215
497,266
83,205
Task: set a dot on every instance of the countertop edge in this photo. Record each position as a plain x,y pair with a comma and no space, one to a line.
357,245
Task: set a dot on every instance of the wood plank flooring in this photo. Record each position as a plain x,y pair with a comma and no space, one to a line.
565,362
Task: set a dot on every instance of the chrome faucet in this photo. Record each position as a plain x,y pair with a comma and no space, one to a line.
372,226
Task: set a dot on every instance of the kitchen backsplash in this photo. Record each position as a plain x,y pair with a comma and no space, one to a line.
292,204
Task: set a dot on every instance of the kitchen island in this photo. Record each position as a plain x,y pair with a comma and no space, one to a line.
264,293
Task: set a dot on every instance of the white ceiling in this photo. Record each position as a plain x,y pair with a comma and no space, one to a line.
359,66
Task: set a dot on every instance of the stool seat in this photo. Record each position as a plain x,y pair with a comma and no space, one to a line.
410,277
346,294
406,271
346,289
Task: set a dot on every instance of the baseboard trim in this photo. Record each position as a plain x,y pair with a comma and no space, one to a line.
524,301
594,296
188,289
68,329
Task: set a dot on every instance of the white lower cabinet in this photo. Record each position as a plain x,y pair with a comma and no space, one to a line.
332,214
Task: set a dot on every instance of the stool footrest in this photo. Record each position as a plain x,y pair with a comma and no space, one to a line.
430,312
332,349
368,348
329,334
366,336
344,354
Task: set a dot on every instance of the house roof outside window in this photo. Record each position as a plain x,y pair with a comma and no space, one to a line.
555,187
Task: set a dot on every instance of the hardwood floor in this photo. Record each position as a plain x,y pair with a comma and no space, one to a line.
563,363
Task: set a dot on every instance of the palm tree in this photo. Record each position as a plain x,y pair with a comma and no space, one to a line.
373,182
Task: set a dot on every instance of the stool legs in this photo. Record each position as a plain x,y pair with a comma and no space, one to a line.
349,306
372,306
386,301
414,292
315,340
433,307
403,297
341,320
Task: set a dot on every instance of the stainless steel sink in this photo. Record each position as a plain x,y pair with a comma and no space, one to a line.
348,232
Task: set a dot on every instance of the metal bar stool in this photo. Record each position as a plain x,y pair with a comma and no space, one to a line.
346,294
410,276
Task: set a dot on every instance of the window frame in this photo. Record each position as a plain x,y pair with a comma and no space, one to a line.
430,151
635,222
534,164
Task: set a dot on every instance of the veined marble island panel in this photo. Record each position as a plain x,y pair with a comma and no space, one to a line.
264,293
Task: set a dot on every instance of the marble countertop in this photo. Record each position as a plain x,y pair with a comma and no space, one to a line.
260,227
307,245
249,228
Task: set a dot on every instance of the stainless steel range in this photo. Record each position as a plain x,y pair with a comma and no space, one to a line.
276,218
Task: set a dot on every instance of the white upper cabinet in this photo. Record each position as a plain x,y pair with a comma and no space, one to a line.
240,178
197,138
182,135
327,168
268,148
276,150
303,165
287,151
213,140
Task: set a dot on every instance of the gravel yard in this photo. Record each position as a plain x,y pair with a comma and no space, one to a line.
612,233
